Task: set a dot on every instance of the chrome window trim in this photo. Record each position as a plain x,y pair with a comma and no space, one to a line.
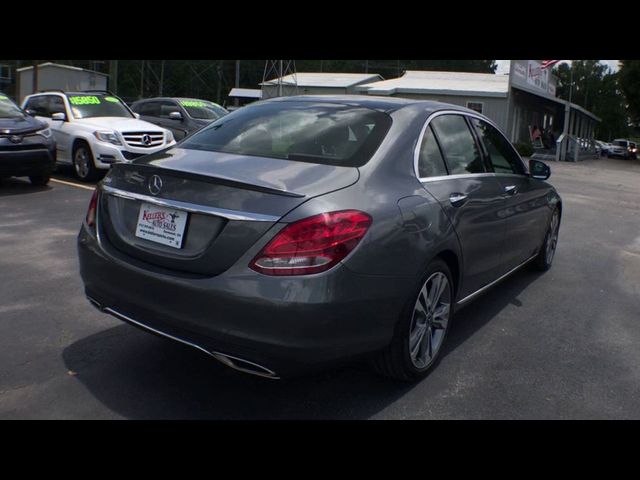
190,207
416,152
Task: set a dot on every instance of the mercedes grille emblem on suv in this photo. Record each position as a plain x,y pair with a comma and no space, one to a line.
146,139
15,139
155,185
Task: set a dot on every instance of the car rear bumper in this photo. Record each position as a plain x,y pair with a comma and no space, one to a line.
282,325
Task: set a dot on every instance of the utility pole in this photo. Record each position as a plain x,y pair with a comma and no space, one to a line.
161,77
236,101
219,70
142,80
35,76
567,117
113,76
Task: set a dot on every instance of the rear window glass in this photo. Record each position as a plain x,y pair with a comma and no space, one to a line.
301,131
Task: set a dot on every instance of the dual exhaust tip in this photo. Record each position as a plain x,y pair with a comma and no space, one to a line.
230,361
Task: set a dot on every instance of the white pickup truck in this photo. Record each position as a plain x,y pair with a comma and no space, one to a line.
94,129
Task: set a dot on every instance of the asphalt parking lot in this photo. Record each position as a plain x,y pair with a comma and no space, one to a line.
559,345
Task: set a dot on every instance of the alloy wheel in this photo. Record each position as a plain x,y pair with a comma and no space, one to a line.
81,162
552,240
429,320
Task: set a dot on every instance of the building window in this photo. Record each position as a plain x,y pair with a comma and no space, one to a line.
477,106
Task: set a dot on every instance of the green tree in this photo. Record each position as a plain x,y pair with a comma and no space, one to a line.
630,84
595,88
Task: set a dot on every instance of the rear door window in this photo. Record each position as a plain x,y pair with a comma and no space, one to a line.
460,150
430,161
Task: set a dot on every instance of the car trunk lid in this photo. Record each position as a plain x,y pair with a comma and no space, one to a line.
231,201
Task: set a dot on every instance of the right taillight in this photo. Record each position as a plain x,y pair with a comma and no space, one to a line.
312,245
91,211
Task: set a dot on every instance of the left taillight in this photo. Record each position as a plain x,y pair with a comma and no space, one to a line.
312,245
91,211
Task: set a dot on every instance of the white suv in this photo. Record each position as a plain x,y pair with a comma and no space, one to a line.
94,129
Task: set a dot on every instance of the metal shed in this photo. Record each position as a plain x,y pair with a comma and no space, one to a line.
319,83
53,76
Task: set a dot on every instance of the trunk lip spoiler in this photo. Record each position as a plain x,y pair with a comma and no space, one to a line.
214,177
190,207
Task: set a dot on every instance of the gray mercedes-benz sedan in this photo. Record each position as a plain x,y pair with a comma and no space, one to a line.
301,231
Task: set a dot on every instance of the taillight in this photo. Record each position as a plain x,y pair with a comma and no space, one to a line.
312,245
91,211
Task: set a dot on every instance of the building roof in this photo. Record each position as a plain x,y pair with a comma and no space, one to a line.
245,93
442,83
57,65
326,79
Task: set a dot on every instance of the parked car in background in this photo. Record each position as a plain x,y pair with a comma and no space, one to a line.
624,148
603,148
301,231
182,116
95,129
27,146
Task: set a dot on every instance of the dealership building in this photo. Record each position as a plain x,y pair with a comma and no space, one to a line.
517,102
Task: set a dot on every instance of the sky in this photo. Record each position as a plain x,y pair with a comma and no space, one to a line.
503,65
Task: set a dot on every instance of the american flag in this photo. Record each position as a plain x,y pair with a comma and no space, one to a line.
549,63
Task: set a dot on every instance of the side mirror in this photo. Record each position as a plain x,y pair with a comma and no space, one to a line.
539,170
175,116
59,116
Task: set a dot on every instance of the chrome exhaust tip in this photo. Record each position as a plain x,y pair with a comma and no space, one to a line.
244,365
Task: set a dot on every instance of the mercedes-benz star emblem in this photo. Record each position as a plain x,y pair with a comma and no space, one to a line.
15,139
155,185
146,139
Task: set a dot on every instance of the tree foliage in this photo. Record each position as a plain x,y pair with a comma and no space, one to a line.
595,88
630,84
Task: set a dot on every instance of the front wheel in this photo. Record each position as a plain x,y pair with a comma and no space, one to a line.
422,328
83,164
548,249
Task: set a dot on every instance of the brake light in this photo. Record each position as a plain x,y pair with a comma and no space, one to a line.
91,211
312,245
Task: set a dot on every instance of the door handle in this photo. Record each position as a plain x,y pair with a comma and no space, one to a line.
458,199
511,189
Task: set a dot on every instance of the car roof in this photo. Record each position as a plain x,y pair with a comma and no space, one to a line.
383,104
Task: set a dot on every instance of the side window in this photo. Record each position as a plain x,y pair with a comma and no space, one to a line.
38,105
167,107
149,109
56,104
502,155
460,150
430,161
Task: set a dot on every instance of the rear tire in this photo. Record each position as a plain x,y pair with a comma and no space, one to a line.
548,249
84,166
40,180
422,328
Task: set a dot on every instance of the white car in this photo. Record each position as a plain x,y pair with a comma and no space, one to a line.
95,129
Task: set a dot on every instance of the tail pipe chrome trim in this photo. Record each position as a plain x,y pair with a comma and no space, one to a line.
236,363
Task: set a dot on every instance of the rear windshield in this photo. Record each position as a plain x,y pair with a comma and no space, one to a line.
97,105
8,109
301,131
203,109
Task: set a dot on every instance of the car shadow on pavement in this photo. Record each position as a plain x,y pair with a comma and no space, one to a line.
140,376
19,186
